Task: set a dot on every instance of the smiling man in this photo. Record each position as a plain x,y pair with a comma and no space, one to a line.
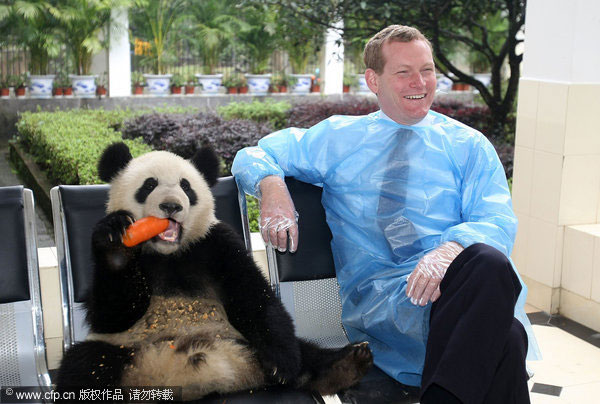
422,224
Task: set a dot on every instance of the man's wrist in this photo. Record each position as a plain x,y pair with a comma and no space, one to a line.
270,182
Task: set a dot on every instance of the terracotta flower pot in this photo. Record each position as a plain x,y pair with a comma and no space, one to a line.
138,90
4,92
20,91
232,90
243,90
101,91
283,89
67,91
316,88
57,91
175,90
346,89
189,89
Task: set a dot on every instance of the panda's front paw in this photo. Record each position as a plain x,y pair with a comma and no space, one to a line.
107,238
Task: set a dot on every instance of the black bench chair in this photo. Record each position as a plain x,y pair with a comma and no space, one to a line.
22,349
307,285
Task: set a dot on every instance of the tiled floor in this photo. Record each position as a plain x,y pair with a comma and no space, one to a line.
570,369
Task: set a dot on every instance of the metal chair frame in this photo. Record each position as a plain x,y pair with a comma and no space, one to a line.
34,304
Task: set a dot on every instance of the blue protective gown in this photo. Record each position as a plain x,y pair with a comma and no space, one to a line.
391,194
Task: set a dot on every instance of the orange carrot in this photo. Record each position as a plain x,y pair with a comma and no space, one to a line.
144,229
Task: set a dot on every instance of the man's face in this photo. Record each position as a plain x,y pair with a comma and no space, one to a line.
406,87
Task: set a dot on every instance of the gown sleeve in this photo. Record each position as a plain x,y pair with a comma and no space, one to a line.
486,206
305,154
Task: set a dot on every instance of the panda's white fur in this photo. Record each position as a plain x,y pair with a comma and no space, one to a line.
169,169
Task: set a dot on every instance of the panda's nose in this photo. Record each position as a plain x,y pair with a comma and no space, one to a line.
170,207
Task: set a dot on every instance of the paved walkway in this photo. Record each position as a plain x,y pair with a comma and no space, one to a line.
45,231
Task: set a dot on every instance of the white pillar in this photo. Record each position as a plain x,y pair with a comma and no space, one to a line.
119,57
556,186
334,61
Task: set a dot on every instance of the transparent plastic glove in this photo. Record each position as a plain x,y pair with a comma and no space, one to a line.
424,282
278,218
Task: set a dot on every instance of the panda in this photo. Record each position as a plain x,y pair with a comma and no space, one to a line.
188,307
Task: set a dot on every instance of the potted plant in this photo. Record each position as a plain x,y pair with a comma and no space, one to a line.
348,82
362,86
35,25
242,84
101,85
260,41
231,82
190,85
137,82
176,83
210,83
83,23
57,90
316,85
300,39
214,24
4,87
65,84
156,19
280,82
19,82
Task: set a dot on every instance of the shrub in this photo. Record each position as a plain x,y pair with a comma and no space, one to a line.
273,112
477,117
480,118
68,144
307,114
184,134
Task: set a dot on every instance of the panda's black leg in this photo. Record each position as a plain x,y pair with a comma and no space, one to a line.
329,371
93,364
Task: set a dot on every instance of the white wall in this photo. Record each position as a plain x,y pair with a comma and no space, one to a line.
562,41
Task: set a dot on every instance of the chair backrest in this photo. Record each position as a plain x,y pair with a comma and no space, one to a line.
22,349
305,280
76,209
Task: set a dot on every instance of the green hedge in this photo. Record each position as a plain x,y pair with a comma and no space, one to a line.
68,144
276,113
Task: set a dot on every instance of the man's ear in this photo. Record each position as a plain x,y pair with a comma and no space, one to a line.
372,80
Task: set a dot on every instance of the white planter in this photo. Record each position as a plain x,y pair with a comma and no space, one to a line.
363,88
158,84
211,83
302,84
41,86
258,84
485,78
83,86
444,84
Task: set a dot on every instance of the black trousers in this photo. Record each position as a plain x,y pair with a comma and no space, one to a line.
476,348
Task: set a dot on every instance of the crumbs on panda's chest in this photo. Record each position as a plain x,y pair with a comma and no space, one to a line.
177,312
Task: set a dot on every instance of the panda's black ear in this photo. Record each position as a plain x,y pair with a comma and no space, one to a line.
207,162
114,158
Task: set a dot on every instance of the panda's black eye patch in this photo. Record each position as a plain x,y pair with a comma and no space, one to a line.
147,187
187,188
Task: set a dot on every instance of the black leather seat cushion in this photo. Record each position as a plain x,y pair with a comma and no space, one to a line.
313,260
14,285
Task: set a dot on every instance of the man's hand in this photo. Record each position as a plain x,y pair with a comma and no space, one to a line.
424,282
278,217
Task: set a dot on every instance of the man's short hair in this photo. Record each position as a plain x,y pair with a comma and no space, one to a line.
373,55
